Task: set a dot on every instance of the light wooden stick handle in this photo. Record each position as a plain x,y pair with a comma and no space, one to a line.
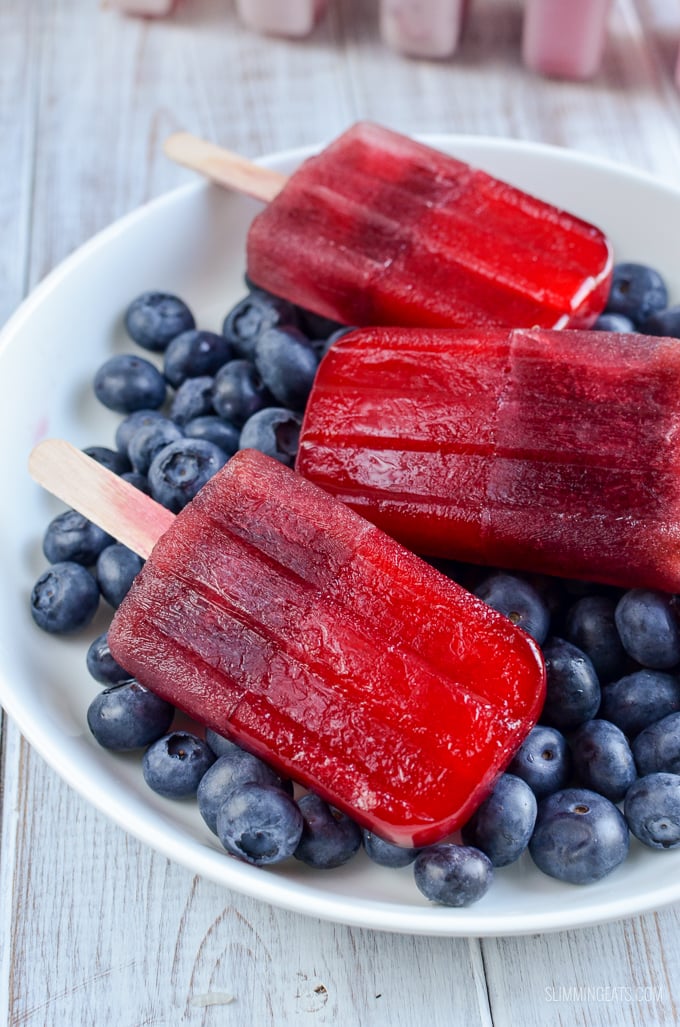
119,508
224,167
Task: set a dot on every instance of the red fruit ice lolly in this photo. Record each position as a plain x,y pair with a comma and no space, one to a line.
276,615
555,452
381,230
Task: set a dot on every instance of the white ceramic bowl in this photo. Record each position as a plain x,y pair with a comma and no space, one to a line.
191,241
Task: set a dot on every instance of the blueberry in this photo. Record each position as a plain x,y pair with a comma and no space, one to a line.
70,536
613,323
221,745
648,627
579,837
233,767
322,346
602,759
216,430
64,598
572,686
502,826
543,760
128,716
287,365
591,626
657,748
387,854
127,383
316,326
132,423
239,392
112,459
174,764
155,318
664,322
637,291
194,354
452,875
259,823
181,469
652,809
329,838
638,699
274,431
517,600
254,314
149,440
117,567
192,399
101,664
139,481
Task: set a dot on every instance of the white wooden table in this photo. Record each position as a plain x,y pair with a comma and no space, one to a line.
95,928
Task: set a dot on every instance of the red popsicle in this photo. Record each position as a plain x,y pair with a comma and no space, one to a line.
279,617
556,452
381,230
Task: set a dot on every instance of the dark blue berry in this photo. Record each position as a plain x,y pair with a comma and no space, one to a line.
117,567
517,600
101,664
259,823
322,346
652,809
139,481
192,399
128,716
572,686
591,626
452,875
221,745
232,767
387,854
579,837
132,423
287,364
155,318
502,826
149,440
329,838
214,429
602,759
239,392
70,536
194,354
647,623
174,764
613,323
253,315
664,322
274,431
127,383
181,469
638,699
637,291
657,748
543,760
112,459
64,598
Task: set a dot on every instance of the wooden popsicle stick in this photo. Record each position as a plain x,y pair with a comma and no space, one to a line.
224,167
115,505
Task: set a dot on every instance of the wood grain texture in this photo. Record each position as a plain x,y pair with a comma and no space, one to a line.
95,928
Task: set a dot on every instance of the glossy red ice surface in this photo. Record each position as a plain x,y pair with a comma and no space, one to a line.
381,230
278,616
556,452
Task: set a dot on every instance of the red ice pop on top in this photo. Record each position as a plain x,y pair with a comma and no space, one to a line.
379,229
279,617
556,452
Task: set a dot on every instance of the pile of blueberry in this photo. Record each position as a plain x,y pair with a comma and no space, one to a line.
604,760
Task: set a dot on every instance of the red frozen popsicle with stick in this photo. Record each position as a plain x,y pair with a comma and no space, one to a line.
378,229
276,615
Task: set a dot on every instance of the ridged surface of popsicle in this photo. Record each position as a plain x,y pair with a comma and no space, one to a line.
556,452
379,229
279,617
